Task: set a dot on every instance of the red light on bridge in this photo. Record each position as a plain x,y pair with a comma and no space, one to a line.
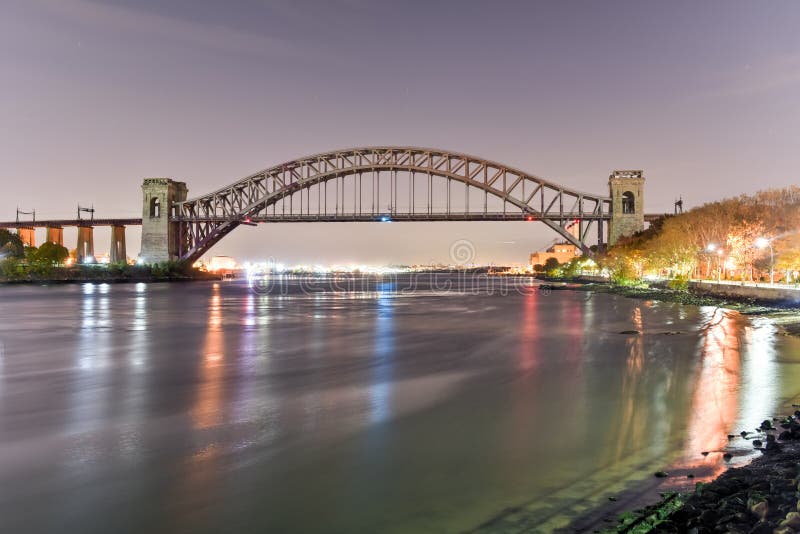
530,218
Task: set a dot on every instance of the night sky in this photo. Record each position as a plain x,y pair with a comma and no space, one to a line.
96,95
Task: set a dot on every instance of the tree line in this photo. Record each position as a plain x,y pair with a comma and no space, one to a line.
728,239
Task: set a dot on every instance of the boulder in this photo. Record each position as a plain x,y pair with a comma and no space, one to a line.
758,508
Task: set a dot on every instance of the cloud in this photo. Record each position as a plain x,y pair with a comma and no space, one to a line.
206,35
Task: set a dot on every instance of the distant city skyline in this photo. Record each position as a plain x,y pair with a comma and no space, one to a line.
101,94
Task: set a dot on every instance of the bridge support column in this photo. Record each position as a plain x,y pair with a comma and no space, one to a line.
627,204
601,236
117,252
27,236
85,250
55,234
160,236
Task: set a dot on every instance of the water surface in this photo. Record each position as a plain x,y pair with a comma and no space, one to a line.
359,406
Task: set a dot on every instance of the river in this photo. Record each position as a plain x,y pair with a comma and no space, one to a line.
361,405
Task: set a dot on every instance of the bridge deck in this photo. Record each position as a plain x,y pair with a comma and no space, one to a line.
399,217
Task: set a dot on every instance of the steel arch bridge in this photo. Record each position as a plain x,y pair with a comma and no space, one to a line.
387,184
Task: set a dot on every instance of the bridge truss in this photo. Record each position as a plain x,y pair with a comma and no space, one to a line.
388,184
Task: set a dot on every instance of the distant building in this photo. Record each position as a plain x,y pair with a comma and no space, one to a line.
563,252
222,265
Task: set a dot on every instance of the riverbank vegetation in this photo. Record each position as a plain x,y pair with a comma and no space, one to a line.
52,262
740,238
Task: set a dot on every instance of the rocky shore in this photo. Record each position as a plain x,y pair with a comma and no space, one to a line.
759,498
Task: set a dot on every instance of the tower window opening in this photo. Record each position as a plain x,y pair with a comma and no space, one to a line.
155,207
628,204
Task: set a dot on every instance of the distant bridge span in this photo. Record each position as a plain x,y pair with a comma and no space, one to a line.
83,223
374,184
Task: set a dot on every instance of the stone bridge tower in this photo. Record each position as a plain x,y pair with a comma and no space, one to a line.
160,236
626,189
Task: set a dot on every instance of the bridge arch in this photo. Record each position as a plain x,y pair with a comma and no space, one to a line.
202,221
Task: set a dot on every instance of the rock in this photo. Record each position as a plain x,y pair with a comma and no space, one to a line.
772,446
743,433
766,424
757,443
690,475
709,518
630,332
785,435
661,474
792,521
758,508
762,527
731,436
612,499
727,456
704,453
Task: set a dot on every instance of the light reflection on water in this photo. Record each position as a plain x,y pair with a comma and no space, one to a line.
714,402
203,406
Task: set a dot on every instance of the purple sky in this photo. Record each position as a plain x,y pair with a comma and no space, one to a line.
96,95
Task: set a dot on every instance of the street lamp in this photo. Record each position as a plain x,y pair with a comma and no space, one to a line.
709,248
763,242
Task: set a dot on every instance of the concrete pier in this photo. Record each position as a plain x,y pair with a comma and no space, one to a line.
117,252
55,234
85,248
28,236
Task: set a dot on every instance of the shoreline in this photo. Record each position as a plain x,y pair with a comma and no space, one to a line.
106,277
785,316
759,497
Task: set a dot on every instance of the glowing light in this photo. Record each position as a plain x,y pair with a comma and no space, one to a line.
711,247
222,263
762,242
